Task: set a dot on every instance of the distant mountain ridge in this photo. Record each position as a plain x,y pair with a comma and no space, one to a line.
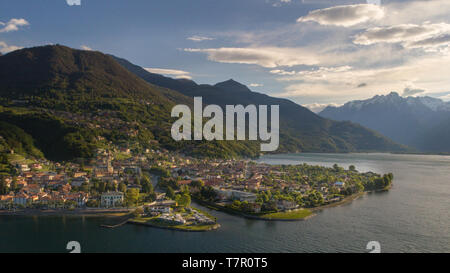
301,130
413,121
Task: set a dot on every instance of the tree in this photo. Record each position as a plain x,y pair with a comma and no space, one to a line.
208,193
359,187
13,186
352,168
170,193
132,197
146,184
236,205
197,184
92,203
84,187
122,187
183,200
138,212
3,186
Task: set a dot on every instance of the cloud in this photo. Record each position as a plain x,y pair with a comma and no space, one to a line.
255,85
314,73
409,35
73,2
5,48
270,57
197,38
13,25
432,42
408,91
404,12
346,15
279,3
427,71
179,74
282,72
318,107
85,47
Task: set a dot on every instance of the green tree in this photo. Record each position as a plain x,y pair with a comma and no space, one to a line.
84,187
147,186
170,193
132,197
197,184
183,200
122,187
3,186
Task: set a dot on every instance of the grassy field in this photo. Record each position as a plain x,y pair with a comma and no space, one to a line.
19,159
122,156
155,222
290,215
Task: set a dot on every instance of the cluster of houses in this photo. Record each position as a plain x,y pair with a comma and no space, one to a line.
231,179
36,186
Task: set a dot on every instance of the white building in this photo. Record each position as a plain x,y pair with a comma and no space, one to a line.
111,198
236,195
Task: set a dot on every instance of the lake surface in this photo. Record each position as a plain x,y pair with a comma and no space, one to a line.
412,217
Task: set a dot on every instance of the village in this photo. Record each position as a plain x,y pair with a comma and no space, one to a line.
158,182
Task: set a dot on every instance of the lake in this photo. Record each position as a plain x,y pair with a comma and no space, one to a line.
412,217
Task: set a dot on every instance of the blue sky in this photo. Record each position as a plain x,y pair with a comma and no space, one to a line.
315,52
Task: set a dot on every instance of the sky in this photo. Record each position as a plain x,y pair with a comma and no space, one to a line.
314,52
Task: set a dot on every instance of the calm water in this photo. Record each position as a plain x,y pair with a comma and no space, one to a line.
412,217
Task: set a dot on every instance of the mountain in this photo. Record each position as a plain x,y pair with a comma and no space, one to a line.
412,121
300,129
72,101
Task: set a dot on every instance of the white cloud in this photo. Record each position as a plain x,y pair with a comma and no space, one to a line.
346,15
255,85
416,11
13,25
409,35
428,72
197,38
85,47
279,3
73,2
270,57
282,72
179,74
318,107
412,91
5,48
431,42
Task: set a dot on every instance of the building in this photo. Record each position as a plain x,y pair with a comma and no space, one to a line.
236,195
79,181
160,209
111,198
23,167
79,198
20,199
286,205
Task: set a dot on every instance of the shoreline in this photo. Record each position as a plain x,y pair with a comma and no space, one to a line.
78,212
346,200
248,216
211,228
